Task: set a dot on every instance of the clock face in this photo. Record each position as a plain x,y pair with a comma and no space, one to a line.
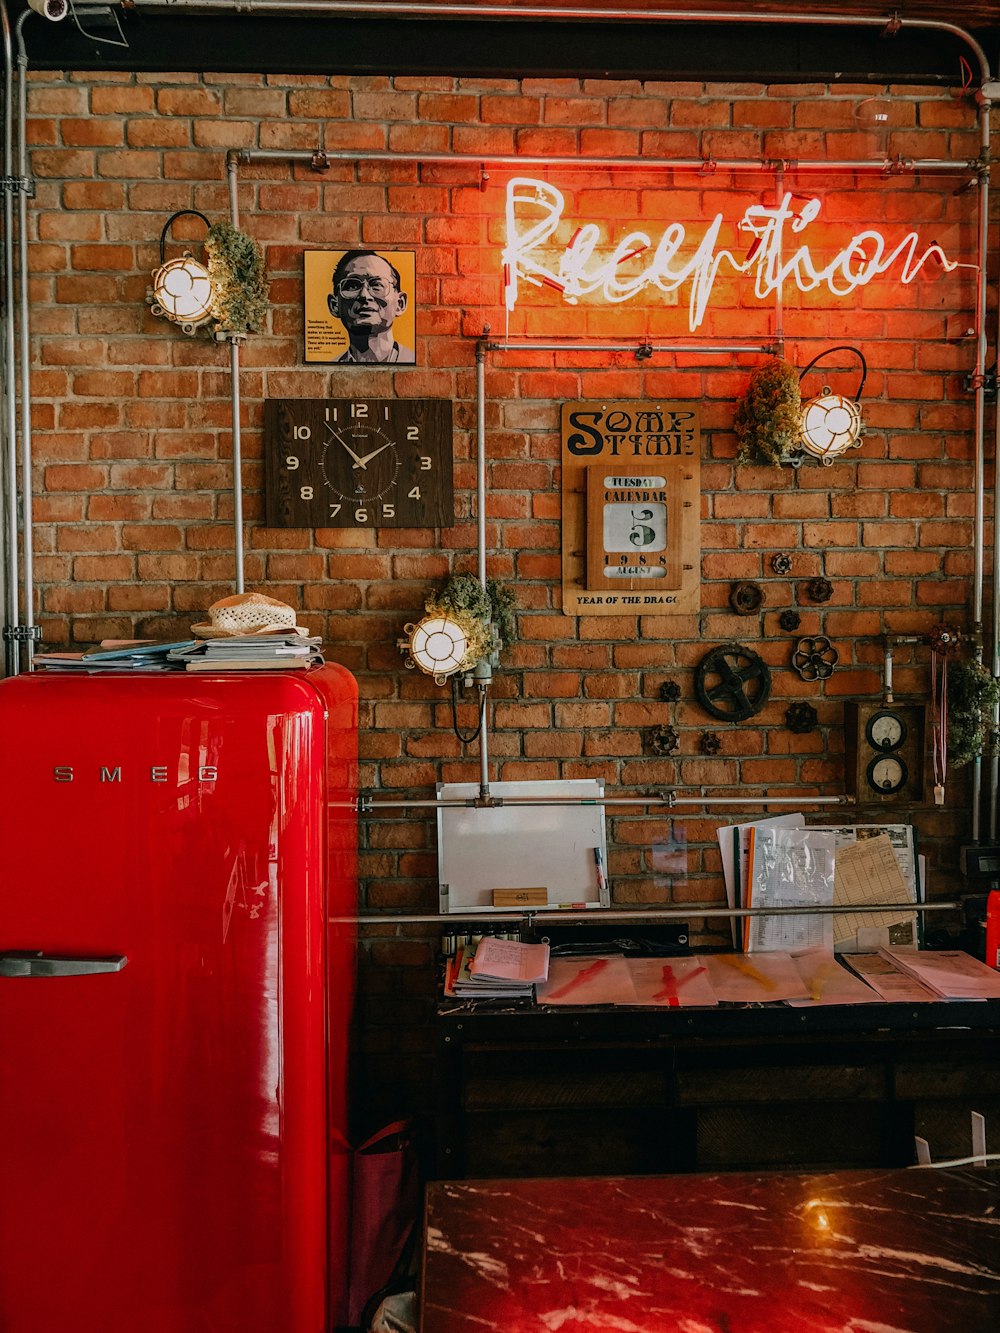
886,731
358,463
374,463
887,773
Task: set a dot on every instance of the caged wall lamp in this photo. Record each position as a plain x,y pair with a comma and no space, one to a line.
439,646
463,629
182,290
831,423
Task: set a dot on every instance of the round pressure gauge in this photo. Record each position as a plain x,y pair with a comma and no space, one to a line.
885,731
886,774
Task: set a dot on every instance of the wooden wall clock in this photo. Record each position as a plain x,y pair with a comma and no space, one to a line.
358,463
631,508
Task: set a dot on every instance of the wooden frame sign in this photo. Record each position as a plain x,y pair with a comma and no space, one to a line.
630,508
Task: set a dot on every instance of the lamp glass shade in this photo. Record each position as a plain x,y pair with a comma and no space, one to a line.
830,424
439,646
183,291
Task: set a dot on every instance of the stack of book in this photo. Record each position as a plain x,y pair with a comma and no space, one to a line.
250,652
118,655
492,968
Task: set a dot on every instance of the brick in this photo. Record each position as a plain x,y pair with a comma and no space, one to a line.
120,101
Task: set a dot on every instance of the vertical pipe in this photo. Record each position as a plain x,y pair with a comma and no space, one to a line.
484,769
779,307
232,162
481,459
234,376
27,529
11,651
995,661
982,249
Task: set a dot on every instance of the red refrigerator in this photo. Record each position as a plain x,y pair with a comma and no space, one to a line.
174,1001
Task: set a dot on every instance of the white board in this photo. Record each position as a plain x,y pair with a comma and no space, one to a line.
482,848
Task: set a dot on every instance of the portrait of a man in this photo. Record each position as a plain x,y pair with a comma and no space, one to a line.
366,316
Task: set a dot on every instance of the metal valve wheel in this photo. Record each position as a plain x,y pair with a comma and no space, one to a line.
732,682
745,597
800,718
814,658
819,590
662,740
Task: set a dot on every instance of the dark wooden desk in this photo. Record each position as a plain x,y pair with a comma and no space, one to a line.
911,1251
527,1091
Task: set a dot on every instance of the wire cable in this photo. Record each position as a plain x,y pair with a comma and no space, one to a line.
466,739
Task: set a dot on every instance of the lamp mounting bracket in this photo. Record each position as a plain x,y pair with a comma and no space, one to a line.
987,381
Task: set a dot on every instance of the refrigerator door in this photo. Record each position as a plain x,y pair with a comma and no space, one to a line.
163,1115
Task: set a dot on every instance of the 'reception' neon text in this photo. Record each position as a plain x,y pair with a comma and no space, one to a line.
534,211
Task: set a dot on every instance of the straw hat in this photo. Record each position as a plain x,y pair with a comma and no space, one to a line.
248,613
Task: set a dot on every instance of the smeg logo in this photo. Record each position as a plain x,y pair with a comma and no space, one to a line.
158,773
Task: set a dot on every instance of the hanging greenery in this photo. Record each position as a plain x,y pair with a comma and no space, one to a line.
769,415
972,696
236,267
495,603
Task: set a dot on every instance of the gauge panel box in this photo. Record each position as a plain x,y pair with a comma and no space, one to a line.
884,756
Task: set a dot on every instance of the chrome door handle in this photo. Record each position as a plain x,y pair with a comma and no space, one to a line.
24,963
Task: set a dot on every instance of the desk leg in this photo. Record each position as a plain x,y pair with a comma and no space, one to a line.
449,1135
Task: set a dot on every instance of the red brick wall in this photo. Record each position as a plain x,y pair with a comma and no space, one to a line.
132,438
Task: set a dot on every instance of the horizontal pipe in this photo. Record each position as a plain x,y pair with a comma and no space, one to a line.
573,346
700,164
367,805
640,913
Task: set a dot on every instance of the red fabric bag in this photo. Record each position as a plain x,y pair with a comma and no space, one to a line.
384,1206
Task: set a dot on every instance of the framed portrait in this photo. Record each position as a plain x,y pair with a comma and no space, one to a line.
359,307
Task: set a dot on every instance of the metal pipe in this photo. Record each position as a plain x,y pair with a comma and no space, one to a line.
12,656
570,345
982,253
368,804
484,764
232,167
700,164
779,297
604,914
887,642
27,532
995,662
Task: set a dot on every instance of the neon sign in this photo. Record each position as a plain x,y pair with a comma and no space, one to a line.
534,210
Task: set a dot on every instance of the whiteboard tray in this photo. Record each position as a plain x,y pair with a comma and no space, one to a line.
482,848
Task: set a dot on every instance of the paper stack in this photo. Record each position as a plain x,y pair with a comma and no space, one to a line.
949,973
496,968
250,652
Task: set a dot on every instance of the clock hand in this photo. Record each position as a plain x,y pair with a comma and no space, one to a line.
362,462
340,440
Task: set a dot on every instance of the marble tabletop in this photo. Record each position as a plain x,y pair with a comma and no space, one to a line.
874,1251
